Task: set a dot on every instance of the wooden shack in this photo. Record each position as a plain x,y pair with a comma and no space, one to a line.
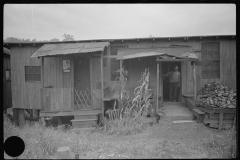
216,56
71,78
60,79
7,95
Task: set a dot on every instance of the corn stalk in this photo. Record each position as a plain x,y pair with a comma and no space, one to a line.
133,108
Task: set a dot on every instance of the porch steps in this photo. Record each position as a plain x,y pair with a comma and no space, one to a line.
78,130
85,119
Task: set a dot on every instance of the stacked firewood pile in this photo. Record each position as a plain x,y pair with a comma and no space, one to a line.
217,95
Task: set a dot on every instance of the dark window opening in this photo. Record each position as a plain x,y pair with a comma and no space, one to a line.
126,69
211,57
115,65
114,49
32,73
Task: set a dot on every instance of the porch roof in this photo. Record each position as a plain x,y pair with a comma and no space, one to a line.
69,48
163,53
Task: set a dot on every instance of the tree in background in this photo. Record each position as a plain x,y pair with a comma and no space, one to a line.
68,37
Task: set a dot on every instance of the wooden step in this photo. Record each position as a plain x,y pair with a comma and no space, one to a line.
81,123
198,114
83,120
69,113
77,130
86,116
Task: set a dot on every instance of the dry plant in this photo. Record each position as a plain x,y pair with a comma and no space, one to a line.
42,142
225,146
132,111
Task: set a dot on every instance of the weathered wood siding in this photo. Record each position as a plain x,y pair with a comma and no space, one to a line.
56,99
136,68
54,75
7,93
227,60
95,78
106,68
59,80
24,94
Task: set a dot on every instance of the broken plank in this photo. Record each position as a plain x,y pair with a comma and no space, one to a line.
183,121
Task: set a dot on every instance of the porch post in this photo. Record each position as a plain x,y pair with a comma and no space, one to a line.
102,84
42,73
121,75
194,81
157,84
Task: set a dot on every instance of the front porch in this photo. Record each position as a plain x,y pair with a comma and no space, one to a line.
72,81
176,111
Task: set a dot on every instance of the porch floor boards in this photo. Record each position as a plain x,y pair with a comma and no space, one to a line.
176,111
69,113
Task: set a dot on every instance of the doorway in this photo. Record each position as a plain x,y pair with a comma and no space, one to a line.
82,90
166,67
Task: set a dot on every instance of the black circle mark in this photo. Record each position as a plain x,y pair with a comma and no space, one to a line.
14,146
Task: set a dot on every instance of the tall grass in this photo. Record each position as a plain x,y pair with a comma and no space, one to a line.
224,146
132,111
42,142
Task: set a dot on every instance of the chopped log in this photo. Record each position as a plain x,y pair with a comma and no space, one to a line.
218,95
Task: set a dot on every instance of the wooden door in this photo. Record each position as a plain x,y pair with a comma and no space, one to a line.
82,89
95,65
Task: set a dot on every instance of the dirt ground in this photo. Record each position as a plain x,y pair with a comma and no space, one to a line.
162,140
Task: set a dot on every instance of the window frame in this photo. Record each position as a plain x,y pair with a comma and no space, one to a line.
207,69
34,74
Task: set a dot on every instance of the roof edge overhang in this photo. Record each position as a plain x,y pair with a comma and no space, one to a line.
180,53
43,52
122,39
174,60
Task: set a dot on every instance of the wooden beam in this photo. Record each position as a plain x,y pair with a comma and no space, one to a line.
72,82
175,60
111,56
21,117
15,116
161,83
194,81
121,76
42,71
59,120
102,83
157,84
220,121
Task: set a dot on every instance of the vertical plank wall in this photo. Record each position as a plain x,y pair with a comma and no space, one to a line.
7,95
95,74
57,79
24,94
227,60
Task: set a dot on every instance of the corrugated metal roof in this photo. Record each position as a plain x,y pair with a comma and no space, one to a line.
5,50
69,48
182,52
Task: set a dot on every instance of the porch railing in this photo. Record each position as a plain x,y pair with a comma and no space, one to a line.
82,98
